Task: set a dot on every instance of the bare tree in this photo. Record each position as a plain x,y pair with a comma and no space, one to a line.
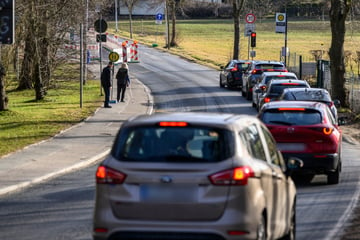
237,7
44,24
130,5
338,12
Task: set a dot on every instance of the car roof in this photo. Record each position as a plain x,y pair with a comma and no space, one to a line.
267,61
280,81
271,73
209,119
294,104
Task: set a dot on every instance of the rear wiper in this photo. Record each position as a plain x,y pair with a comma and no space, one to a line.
281,122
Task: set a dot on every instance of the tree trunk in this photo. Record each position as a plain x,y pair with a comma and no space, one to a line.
173,42
3,97
236,51
25,79
338,12
237,6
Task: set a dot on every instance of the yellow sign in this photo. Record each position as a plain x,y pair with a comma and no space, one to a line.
114,56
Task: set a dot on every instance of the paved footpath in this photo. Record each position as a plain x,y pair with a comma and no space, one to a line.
74,148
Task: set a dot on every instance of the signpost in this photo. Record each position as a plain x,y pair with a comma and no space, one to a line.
249,31
281,27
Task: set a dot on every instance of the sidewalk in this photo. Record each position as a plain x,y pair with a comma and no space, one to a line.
82,145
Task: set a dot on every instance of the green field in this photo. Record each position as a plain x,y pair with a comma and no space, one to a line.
211,41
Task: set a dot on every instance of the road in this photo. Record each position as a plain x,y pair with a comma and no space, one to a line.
62,208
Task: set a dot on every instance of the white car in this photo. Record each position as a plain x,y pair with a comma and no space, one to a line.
265,78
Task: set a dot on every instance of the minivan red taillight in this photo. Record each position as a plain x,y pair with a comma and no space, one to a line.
106,175
235,176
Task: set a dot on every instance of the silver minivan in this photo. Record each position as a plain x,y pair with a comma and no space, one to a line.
192,175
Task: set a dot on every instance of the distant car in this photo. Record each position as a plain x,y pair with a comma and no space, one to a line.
231,74
194,176
306,130
275,88
311,94
256,68
264,80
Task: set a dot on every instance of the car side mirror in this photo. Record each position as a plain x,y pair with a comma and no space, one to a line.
337,103
292,164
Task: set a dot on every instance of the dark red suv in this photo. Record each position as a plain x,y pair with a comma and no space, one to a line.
309,131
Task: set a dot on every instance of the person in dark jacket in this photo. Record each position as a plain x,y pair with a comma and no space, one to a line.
106,83
123,81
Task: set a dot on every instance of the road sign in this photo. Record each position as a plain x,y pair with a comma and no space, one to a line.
159,16
100,25
114,56
250,18
280,23
249,28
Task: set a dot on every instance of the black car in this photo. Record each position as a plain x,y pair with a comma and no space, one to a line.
253,73
231,74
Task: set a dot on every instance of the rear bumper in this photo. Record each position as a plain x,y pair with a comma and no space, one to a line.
316,163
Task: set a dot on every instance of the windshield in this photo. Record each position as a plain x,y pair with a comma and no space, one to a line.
173,144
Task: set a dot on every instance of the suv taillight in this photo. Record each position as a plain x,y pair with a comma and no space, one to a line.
234,69
106,175
235,176
267,99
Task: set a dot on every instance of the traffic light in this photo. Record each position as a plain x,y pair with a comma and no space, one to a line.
253,39
7,23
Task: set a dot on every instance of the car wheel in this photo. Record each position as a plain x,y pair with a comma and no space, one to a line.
248,94
292,228
334,177
221,84
261,230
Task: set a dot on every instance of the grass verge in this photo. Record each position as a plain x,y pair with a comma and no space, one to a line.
28,121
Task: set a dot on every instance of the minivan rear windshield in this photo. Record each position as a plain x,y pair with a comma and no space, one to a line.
173,144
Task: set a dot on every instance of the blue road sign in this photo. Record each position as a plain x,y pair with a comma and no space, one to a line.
159,16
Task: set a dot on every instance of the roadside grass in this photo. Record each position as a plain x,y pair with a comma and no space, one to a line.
210,41
28,121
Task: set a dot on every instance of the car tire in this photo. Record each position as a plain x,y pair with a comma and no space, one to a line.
261,229
221,84
291,235
334,177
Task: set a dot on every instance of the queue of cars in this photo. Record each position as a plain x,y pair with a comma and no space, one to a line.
303,121
220,176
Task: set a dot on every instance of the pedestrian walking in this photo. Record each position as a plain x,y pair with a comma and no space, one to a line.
106,83
123,81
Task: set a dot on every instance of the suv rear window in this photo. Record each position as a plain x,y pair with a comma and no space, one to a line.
270,66
173,144
308,95
279,88
268,78
291,117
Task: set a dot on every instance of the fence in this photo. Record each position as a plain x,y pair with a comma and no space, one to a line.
318,74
